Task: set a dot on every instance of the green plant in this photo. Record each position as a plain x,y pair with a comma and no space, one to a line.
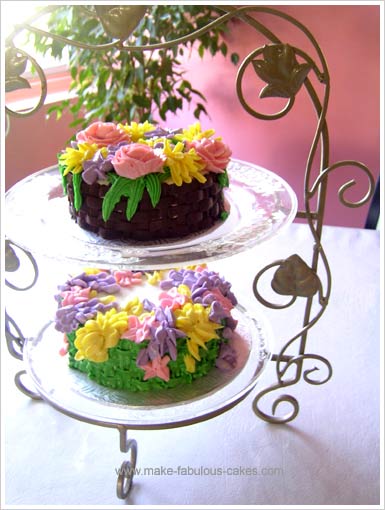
122,85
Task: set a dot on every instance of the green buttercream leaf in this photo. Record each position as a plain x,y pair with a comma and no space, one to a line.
63,178
165,175
223,179
118,189
78,199
135,196
153,187
111,177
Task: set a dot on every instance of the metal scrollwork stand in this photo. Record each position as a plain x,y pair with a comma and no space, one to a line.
285,70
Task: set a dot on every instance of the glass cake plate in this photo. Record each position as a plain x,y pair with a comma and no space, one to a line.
74,394
38,220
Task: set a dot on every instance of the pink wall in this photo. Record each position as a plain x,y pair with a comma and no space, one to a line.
349,39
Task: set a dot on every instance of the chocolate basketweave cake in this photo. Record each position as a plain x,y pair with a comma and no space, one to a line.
141,182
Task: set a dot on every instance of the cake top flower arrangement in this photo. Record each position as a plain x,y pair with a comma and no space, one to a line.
130,158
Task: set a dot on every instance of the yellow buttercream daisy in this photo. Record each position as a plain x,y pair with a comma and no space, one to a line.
73,159
184,166
134,307
154,278
184,290
189,362
194,320
194,132
92,270
136,130
98,335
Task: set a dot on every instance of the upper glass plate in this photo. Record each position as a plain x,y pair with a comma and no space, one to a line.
73,393
38,220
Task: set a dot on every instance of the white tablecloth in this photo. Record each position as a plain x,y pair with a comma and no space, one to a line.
329,455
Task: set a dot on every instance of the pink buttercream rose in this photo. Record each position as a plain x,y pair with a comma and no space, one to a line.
135,160
103,134
214,153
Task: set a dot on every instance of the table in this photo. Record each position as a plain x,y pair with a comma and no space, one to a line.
329,455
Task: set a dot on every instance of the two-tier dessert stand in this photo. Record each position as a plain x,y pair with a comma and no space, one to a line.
261,203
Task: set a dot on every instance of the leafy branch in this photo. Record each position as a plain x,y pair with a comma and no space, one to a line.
123,86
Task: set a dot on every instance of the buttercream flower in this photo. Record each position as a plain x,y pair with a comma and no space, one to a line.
135,160
194,320
184,165
75,295
136,131
173,299
134,306
216,295
189,362
97,168
127,278
157,368
139,328
102,134
98,335
73,157
214,153
194,132
69,317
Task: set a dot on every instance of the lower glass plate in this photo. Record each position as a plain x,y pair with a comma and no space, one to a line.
37,219
73,393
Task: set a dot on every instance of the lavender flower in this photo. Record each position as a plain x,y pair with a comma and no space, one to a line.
101,282
217,312
227,358
163,340
199,283
97,168
68,318
159,132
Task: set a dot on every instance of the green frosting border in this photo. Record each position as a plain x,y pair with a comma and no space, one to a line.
121,372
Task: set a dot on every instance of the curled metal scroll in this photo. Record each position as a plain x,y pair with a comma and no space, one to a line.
288,399
341,192
21,386
12,264
15,81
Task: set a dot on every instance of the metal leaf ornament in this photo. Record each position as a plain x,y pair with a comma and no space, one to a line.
295,278
281,71
15,66
120,20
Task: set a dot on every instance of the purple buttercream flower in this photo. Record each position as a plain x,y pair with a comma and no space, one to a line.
148,305
199,283
96,168
68,318
101,282
159,132
217,312
163,338
227,358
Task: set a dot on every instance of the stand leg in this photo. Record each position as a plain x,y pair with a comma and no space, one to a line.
127,469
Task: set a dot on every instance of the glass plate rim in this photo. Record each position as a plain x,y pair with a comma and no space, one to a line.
168,254
212,410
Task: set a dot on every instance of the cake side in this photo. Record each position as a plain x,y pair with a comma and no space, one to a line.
144,331
137,182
